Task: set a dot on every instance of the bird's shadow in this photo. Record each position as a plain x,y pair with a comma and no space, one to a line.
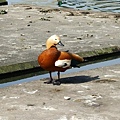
78,79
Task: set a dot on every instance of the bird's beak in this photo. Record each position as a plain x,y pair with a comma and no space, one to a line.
60,43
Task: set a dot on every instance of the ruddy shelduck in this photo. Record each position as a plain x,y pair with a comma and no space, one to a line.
52,59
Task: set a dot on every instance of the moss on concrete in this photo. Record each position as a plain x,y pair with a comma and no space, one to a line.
18,67
98,52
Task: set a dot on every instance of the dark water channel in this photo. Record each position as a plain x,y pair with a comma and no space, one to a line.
95,5
36,76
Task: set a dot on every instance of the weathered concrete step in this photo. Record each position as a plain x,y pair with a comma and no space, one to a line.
88,56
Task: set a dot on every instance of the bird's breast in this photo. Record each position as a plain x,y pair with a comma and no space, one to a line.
48,57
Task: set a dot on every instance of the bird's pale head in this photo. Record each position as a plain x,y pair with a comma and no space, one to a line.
53,41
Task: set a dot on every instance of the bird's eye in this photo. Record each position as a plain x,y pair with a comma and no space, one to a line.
55,39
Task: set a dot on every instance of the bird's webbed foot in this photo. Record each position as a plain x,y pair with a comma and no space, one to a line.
48,82
56,82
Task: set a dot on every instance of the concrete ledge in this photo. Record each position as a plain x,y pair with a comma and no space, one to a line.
25,28
94,94
32,64
98,52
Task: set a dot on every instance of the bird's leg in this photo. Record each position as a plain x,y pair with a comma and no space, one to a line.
58,75
57,82
51,79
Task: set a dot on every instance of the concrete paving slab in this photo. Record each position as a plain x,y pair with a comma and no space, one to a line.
25,28
93,95
85,95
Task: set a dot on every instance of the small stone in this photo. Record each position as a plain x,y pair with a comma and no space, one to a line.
43,103
30,21
107,35
80,91
22,34
28,8
43,45
79,38
30,104
64,35
44,19
77,100
28,25
67,98
48,31
91,35
28,16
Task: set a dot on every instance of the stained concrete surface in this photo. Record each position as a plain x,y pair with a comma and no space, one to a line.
86,95
24,30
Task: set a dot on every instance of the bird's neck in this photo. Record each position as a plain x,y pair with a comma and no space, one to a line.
50,45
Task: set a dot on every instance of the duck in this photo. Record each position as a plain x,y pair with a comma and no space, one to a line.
53,60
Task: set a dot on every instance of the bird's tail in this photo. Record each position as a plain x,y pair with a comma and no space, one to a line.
76,59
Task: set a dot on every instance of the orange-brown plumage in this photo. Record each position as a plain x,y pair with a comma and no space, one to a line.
52,59
48,58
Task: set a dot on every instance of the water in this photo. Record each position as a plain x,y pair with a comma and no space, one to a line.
83,68
95,5
52,3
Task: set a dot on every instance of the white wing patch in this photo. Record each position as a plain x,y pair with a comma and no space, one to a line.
63,63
